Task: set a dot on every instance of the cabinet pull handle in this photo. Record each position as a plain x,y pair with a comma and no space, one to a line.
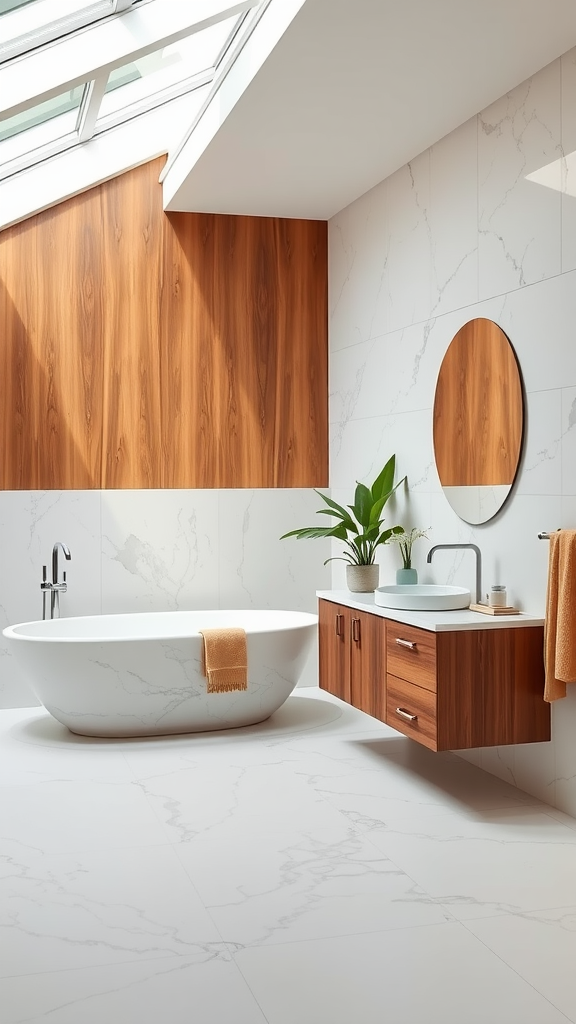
406,643
339,630
356,630
406,714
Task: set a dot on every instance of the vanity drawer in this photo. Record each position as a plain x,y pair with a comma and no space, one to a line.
412,710
411,654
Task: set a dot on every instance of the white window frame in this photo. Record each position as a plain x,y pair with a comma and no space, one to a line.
160,23
52,30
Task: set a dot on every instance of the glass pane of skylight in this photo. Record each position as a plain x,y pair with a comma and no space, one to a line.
151,76
40,125
11,5
25,25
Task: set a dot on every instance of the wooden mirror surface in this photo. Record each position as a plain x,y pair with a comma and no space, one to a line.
478,420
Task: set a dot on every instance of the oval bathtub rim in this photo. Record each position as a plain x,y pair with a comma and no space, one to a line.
307,619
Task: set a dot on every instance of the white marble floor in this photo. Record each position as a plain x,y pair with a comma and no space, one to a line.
318,869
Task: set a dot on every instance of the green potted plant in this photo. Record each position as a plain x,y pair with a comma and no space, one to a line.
360,529
405,541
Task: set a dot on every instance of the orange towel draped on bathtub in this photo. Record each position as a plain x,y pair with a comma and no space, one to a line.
560,625
225,659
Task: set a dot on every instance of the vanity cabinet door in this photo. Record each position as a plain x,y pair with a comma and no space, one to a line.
368,664
334,648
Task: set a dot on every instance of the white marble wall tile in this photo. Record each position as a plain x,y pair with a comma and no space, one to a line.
519,220
367,444
159,550
30,523
383,390
563,732
568,512
535,768
540,471
257,569
358,258
409,244
393,373
568,444
511,551
568,65
499,761
454,219
539,321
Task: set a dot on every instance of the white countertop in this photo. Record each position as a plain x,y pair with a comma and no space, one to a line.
436,622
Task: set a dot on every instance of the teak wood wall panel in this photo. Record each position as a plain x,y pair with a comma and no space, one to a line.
141,349
50,351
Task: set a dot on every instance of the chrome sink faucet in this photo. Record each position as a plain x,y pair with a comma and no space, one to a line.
55,587
473,547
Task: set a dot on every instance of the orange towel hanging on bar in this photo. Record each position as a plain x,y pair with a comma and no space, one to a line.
560,625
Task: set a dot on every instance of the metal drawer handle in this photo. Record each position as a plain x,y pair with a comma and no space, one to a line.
356,630
339,630
406,714
406,643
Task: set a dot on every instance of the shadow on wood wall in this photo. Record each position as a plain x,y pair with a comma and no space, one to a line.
151,350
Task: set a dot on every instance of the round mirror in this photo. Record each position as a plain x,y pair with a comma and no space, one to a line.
478,420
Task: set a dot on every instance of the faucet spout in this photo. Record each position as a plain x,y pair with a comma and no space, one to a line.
58,587
477,552
67,556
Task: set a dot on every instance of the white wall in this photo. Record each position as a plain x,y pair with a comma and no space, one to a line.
456,234
138,550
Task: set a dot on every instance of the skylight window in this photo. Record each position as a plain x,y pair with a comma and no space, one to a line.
26,24
38,125
160,75
111,71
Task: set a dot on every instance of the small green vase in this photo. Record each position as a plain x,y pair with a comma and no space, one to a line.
406,576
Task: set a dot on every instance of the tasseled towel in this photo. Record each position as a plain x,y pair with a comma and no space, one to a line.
224,659
560,625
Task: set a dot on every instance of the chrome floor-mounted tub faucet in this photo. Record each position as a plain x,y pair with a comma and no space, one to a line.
56,587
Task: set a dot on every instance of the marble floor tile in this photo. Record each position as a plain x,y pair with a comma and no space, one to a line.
440,973
497,861
37,749
89,909
68,816
292,886
291,871
207,989
540,947
404,781
227,802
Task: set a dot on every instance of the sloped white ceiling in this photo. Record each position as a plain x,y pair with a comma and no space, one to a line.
354,89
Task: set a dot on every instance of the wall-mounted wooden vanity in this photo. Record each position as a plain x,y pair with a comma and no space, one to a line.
450,680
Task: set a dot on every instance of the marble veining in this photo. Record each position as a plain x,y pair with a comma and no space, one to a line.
482,224
206,873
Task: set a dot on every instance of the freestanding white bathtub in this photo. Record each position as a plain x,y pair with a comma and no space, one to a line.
140,674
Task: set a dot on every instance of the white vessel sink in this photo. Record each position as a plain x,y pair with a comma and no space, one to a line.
422,597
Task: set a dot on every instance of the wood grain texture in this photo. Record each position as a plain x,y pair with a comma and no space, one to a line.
334,649
414,700
478,409
417,663
51,355
147,350
490,688
368,664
